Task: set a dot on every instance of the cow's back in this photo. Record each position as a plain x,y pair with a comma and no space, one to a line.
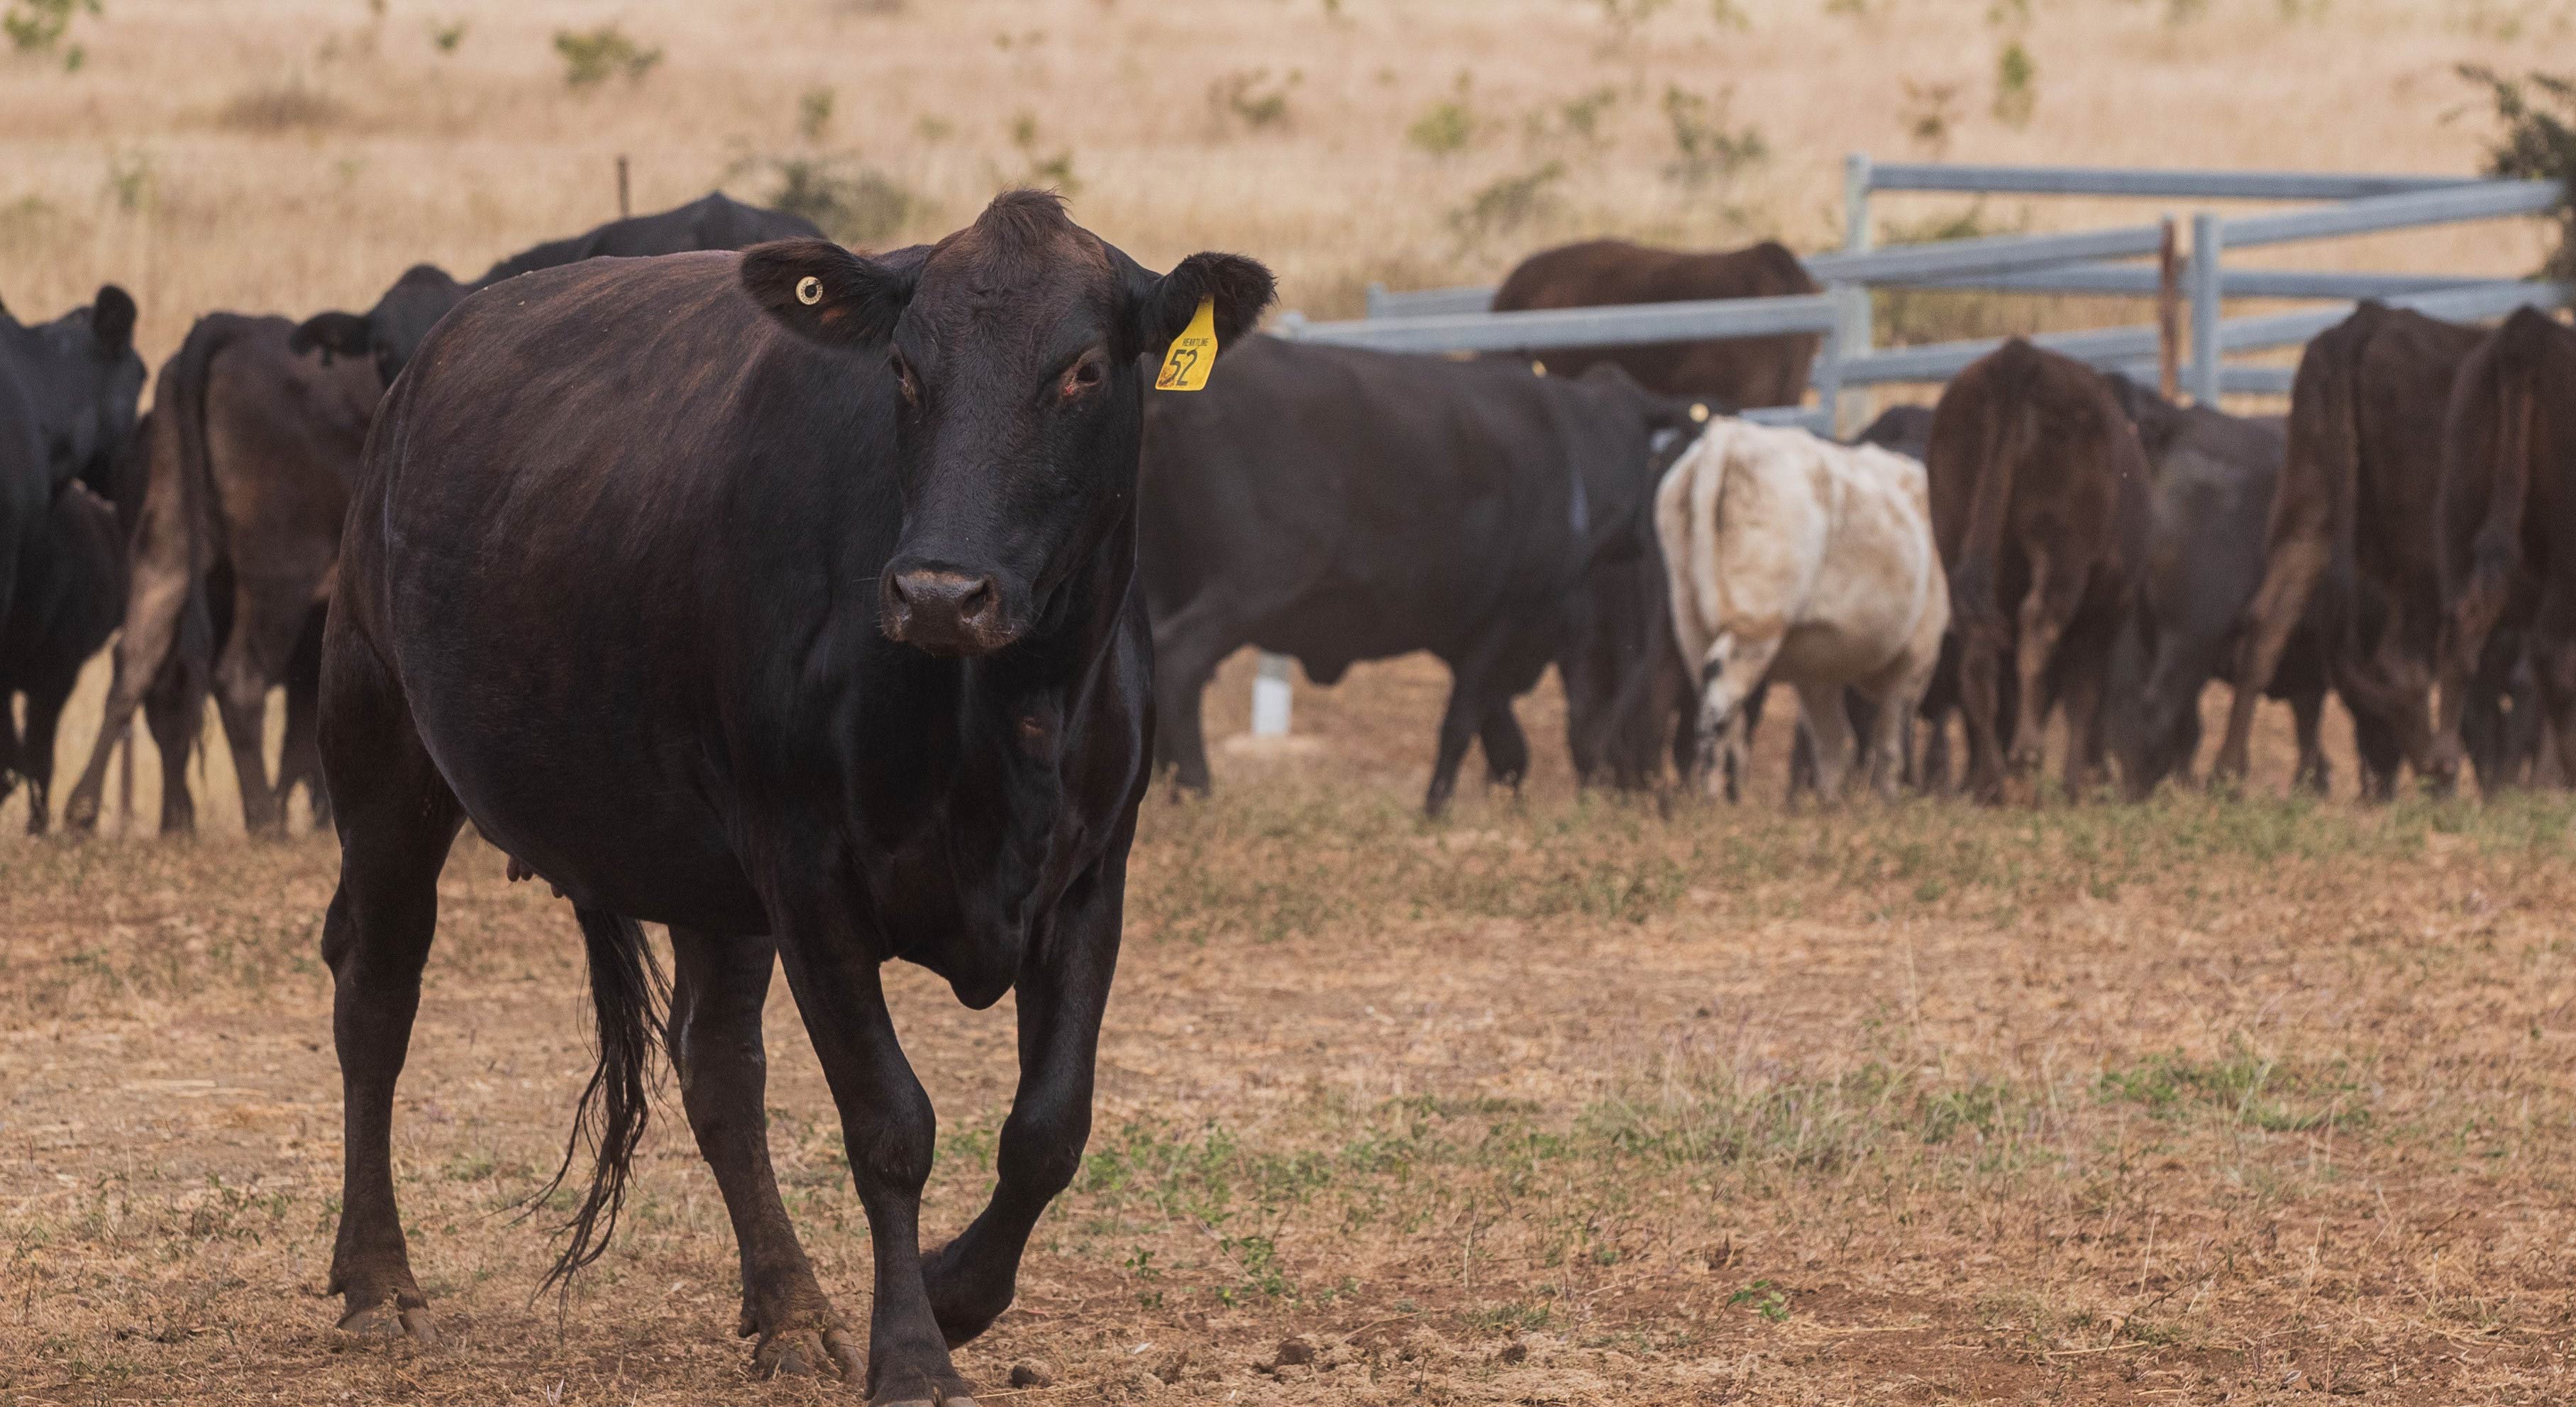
1355,504
609,507
1609,272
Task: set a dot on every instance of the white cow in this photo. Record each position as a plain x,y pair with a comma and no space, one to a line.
1798,559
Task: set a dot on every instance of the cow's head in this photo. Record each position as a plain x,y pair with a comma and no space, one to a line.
388,332
87,379
1017,347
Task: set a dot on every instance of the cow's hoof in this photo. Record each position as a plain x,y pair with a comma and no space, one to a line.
388,1320
809,1353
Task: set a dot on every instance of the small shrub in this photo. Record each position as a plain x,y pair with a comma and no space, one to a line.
1708,148
446,37
36,26
1507,204
2538,144
814,113
2016,85
592,57
1578,118
1626,17
1446,127
283,107
857,206
130,178
1054,171
1252,97
1931,110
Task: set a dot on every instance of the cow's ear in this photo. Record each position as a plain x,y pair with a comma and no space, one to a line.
827,294
111,321
1163,306
337,334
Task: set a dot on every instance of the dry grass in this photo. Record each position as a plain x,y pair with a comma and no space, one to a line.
1564,1101
167,161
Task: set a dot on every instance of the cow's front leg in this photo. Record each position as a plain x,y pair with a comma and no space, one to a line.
888,1128
971,1279
1732,671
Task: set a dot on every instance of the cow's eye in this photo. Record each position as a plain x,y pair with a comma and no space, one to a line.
1078,381
903,378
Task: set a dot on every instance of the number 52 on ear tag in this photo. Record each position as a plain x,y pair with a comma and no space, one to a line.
1193,353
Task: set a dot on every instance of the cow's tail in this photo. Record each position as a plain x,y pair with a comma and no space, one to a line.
628,996
2010,432
1686,509
2331,438
2492,551
184,386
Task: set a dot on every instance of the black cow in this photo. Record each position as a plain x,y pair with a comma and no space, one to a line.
1338,505
807,623
2214,477
68,390
71,593
391,330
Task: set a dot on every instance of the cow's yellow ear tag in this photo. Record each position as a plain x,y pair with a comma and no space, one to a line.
1193,353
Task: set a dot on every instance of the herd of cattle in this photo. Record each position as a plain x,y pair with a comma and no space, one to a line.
2392,541
810,603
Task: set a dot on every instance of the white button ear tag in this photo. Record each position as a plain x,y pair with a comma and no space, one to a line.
809,290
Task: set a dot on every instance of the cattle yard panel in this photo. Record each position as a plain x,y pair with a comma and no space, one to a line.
1462,320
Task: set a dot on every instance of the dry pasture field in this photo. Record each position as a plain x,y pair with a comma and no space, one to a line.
1562,1101
1566,1100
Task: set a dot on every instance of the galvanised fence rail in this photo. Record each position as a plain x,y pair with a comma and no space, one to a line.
1455,320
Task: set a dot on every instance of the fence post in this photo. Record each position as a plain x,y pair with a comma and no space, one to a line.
1272,695
2169,315
1851,335
2205,259
624,208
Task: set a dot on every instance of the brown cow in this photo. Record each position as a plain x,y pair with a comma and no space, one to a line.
2353,511
243,499
2507,552
1754,371
2039,505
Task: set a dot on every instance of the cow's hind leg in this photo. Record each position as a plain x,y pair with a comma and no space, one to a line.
1498,667
397,818
45,701
718,987
175,711
267,617
1507,752
1734,668
2307,715
971,1279
1820,713
151,629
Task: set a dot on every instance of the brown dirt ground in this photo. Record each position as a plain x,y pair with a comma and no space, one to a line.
1566,1100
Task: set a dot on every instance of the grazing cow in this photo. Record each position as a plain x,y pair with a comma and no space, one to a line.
1796,559
2214,476
1338,505
2354,515
67,406
823,645
1744,371
389,331
2039,502
234,543
2508,499
71,592
245,507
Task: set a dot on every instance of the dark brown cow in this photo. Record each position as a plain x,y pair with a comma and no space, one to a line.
2508,523
2353,514
2039,505
1754,371
240,514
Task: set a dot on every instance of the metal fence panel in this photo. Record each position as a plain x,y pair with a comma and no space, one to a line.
2482,201
2112,181
1577,327
1992,254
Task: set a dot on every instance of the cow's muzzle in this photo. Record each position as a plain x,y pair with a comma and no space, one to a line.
946,612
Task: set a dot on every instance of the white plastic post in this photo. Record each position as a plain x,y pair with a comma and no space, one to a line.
1271,696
